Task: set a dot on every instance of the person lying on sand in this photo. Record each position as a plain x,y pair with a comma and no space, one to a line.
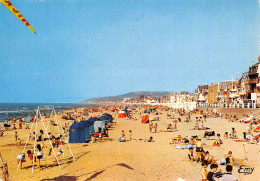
228,159
256,139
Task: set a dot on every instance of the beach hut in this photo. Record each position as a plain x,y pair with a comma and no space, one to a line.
145,119
121,114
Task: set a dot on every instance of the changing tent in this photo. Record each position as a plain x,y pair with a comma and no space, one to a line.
80,131
77,133
106,117
99,125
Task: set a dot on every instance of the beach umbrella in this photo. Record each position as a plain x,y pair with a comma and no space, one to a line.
11,8
145,119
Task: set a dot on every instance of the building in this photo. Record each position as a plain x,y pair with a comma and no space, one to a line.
212,93
201,93
254,82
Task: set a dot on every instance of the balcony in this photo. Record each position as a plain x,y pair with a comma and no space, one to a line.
253,81
252,73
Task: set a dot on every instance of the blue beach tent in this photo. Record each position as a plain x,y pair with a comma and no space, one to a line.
77,133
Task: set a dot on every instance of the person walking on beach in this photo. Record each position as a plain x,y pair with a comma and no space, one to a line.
150,126
155,127
130,135
15,135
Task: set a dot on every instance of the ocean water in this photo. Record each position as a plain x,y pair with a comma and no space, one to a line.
16,110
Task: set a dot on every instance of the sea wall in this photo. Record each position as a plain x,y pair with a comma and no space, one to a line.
233,111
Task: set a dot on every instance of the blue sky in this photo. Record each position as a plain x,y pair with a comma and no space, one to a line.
92,48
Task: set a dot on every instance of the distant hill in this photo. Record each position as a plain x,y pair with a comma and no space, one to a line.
154,94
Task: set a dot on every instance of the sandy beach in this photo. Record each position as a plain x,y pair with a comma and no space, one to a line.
132,160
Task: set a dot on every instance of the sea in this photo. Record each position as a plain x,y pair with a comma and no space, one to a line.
16,110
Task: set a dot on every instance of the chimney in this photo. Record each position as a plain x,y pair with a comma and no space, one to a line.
259,59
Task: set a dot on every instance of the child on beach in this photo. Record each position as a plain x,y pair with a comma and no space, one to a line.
20,160
30,155
213,169
191,154
130,135
122,138
150,139
233,133
18,142
39,154
218,140
226,135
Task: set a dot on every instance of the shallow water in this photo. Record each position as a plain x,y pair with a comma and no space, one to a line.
16,110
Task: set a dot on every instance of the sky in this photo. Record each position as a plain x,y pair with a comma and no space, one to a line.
94,48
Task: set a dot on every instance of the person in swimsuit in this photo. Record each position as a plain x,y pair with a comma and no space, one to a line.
130,135
30,155
150,126
155,127
199,149
208,157
20,160
203,171
191,155
39,154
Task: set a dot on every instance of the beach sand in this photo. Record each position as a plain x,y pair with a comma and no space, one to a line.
133,160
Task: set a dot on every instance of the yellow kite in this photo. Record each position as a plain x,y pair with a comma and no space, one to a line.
11,7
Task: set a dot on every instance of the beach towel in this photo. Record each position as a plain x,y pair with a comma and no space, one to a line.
209,133
168,130
241,140
184,146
